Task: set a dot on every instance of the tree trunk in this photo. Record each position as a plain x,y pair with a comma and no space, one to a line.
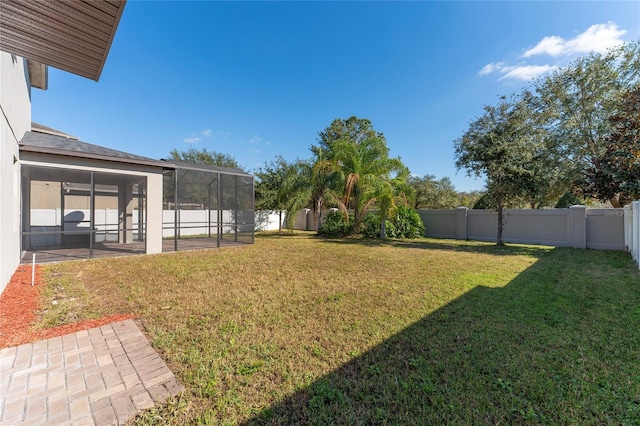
356,221
318,214
280,220
500,208
614,202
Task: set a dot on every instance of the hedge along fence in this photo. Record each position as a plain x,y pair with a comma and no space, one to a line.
578,226
632,230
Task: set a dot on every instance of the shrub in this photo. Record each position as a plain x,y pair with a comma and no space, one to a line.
484,202
405,223
371,226
334,226
567,200
408,223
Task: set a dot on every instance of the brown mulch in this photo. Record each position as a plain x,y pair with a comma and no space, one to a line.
19,303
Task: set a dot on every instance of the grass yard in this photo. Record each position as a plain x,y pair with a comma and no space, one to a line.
297,329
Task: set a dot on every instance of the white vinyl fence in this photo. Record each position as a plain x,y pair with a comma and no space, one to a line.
632,230
48,222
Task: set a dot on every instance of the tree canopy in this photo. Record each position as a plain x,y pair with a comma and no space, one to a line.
350,169
204,156
429,193
269,186
572,107
500,144
614,174
535,146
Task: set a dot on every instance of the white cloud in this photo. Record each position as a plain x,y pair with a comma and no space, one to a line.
197,137
516,72
552,45
492,67
255,139
525,72
597,38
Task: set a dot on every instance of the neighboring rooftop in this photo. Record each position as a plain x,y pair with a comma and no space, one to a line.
73,36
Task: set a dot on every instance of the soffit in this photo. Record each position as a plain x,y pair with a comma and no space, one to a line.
72,35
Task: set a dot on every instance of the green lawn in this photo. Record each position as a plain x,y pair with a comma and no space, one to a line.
297,329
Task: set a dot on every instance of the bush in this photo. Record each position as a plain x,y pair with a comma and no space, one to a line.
334,226
567,200
484,202
406,223
371,226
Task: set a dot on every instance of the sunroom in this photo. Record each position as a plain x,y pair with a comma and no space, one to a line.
81,200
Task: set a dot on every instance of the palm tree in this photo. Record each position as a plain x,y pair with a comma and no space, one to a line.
364,170
306,185
387,193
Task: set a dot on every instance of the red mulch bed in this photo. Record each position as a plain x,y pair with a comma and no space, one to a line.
19,303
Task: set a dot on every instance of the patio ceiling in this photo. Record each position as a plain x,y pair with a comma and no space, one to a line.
71,35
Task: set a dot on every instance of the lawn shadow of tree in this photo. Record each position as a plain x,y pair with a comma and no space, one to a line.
559,344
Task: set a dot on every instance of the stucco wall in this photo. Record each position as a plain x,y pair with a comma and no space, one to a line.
15,120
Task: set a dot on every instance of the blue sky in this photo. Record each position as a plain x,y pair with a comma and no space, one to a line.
260,79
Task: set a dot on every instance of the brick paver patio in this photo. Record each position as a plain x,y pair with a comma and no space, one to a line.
101,376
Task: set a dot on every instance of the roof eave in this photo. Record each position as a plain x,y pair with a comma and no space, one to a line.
73,36
83,155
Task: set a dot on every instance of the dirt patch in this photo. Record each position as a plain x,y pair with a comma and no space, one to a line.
19,303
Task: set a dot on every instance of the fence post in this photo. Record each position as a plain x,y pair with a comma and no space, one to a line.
635,231
306,220
461,223
627,228
578,223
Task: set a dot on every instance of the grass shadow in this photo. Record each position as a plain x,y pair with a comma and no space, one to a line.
559,344
421,243
443,244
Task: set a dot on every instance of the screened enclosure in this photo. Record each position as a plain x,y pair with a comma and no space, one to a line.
206,206
75,214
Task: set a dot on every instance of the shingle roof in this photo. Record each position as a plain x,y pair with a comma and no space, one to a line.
48,143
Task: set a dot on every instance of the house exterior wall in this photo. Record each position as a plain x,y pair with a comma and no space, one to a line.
15,102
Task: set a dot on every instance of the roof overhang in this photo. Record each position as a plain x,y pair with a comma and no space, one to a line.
45,140
74,36
91,156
